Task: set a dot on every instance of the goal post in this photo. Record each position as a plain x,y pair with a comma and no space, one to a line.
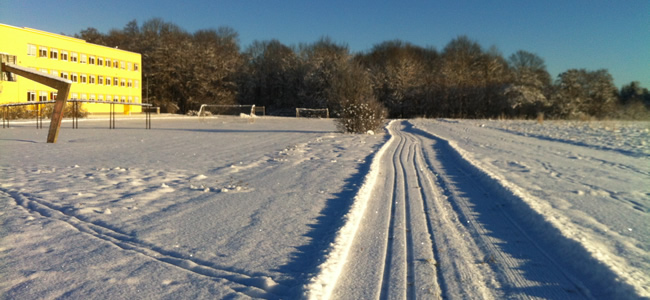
312,113
221,109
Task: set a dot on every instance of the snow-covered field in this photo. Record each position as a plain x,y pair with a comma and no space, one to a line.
277,208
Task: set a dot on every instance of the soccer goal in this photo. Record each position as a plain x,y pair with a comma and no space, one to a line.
312,113
231,110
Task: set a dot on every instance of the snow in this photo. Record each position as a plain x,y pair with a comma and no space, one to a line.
589,180
277,208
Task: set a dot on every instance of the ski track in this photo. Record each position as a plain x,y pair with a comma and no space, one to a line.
257,287
432,231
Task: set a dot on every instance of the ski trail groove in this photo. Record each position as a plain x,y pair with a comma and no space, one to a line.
431,231
521,267
129,243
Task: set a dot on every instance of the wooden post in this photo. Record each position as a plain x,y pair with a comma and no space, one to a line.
61,85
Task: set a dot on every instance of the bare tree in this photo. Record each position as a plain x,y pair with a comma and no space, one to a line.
400,72
271,76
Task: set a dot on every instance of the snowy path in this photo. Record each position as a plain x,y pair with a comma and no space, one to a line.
581,187
283,208
432,231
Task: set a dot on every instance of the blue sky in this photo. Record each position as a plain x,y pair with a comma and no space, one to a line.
590,34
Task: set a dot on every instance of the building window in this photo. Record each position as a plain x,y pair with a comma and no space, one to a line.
91,79
109,98
64,55
54,54
75,96
130,99
64,75
130,84
91,60
100,98
137,99
52,96
116,64
84,59
108,62
7,76
42,51
100,61
74,77
31,96
123,99
135,67
123,83
137,84
84,78
122,65
84,97
100,79
74,57
108,81
92,97
42,96
55,73
129,66
31,50
116,81
44,71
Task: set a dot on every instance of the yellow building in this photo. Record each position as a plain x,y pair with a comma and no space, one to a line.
98,73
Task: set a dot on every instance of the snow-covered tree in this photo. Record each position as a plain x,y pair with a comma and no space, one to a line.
581,92
527,93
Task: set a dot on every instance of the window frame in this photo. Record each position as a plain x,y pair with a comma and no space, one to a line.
43,51
32,50
31,96
54,53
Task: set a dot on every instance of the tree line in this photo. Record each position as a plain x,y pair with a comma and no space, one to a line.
182,70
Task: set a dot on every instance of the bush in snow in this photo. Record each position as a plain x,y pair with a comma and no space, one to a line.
361,116
29,112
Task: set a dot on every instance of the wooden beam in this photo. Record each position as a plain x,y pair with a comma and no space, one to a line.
61,85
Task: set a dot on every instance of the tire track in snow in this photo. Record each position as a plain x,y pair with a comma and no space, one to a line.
253,286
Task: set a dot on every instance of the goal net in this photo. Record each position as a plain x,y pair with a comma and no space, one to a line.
312,113
228,110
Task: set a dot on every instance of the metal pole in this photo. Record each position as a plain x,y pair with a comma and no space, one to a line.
110,116
148,117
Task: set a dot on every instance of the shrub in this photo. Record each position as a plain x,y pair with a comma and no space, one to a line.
361,116
30,112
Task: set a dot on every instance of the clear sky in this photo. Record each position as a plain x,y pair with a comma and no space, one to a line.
590,34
